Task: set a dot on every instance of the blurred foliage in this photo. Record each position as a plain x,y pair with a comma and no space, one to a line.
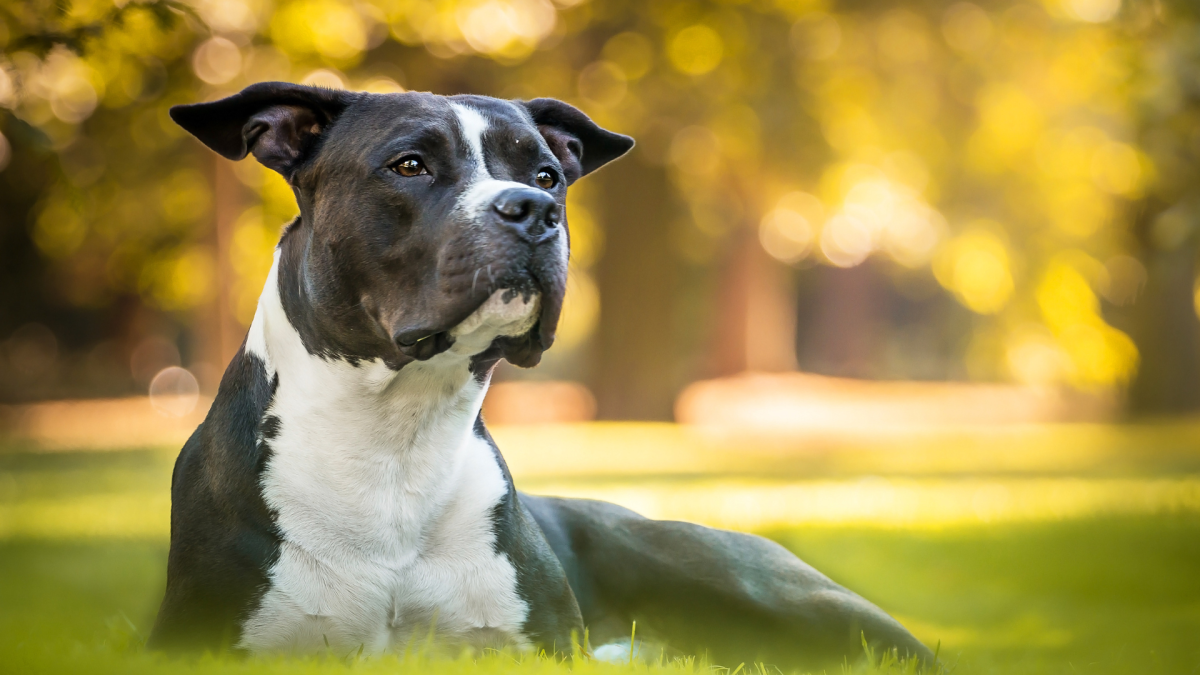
1029,158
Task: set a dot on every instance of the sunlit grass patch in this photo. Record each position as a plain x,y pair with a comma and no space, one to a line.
122,653
120,515
637,450
904,503
1069,562
890,502
66,496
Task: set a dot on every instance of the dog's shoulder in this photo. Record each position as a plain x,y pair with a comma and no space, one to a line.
223,536
228,451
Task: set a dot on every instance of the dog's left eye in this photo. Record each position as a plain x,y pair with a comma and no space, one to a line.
410,166
545,179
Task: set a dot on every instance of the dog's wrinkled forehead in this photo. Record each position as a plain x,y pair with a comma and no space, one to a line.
471,133
287,126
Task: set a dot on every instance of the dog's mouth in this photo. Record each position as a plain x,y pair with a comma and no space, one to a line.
516,317
506,313
424,347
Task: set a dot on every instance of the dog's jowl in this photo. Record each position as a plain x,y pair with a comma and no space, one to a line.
343,493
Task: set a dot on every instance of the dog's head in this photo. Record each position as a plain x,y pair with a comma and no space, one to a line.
425,220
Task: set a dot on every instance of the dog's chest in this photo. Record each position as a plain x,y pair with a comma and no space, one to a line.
382,545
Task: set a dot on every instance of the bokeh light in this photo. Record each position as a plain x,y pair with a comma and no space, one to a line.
695,50
174,392
954,150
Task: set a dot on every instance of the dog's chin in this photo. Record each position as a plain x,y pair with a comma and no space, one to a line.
507,313
517,326
516,323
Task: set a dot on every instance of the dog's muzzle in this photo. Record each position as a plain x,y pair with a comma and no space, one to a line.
533,275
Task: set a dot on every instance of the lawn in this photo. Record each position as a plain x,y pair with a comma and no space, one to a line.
1088,563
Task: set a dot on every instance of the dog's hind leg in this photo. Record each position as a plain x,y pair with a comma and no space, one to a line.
737,597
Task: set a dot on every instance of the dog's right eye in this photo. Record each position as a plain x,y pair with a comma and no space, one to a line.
410,166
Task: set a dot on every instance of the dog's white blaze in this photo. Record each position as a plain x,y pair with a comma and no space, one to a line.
473,124
482,188
383,497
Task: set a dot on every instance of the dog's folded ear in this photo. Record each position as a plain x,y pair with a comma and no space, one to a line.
277,121
578,142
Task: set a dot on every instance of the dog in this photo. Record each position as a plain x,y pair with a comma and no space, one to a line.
343,494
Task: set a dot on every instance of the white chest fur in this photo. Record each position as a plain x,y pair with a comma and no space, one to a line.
383,497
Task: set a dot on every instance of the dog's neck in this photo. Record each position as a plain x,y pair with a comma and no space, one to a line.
429,403
360,432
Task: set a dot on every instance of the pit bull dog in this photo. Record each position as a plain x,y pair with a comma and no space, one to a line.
343,493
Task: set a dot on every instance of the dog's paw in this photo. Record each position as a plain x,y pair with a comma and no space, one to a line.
622,651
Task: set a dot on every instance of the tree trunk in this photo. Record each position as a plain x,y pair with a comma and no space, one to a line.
1167,333
634,352
219,333
756,312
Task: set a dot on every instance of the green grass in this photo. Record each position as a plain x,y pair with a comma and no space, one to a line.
1112,593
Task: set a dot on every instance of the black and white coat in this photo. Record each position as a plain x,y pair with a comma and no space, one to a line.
343,493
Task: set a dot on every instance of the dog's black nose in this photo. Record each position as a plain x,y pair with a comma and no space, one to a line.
532,213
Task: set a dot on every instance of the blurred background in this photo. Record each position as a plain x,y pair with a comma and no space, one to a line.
1001,192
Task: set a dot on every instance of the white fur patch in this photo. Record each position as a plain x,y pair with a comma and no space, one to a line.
383,497
503,313
481,189
474,125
